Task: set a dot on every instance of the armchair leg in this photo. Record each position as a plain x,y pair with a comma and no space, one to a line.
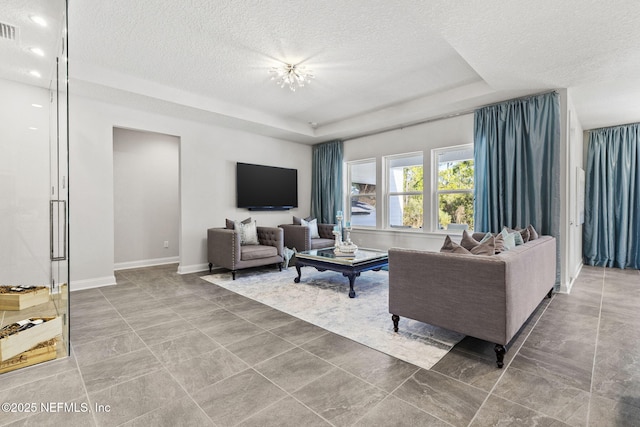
280,266
210,267
550,294
233,275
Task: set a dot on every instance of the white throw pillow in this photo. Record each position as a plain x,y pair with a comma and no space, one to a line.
509,239
313,227
248,232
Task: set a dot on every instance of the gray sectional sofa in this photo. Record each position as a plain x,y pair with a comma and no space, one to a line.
487,297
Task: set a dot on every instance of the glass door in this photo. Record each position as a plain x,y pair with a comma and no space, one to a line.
59,202
34,187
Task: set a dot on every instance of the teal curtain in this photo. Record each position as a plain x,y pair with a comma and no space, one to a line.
326,181
611,231
517,165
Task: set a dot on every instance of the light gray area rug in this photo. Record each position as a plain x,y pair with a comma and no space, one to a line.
322,298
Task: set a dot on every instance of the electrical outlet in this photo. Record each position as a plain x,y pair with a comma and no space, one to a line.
166,243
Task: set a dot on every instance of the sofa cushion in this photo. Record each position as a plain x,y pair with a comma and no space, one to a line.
250,252
248,232
450,246
313,227
322,243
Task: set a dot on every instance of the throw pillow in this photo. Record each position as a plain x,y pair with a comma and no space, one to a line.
248,232
451,247
486,237
467,241
486,247
516,235
313,227
509,239
298,220
230,224
533,234
524,232
499,243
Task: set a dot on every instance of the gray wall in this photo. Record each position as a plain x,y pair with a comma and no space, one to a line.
146,187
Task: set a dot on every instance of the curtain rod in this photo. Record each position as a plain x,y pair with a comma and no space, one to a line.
448,116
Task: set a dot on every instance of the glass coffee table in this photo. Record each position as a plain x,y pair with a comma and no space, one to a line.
349,266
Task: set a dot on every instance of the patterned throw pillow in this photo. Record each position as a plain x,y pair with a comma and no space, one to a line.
248,232
313,227
230,224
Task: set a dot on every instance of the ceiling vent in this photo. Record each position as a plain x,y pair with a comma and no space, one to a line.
8,32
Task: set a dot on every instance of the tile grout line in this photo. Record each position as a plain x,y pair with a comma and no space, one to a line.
84,386
595,352
418,368
162,368
490,393
287,394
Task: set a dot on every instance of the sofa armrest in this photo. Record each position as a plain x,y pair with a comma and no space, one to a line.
272,236
223,247
326,231
296,236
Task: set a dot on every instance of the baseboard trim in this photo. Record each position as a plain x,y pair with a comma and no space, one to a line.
145,263
195,268
573,280
98,282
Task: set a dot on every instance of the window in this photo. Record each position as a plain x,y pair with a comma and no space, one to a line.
362,178
453,178
405,183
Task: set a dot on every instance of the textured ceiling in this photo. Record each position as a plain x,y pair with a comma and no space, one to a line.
378,64
16,61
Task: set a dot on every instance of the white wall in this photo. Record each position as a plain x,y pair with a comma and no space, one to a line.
208,155
146,198
423,137
24,185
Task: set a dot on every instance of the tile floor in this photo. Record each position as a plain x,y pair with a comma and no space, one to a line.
164,349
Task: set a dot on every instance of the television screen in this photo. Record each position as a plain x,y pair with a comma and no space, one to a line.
266,187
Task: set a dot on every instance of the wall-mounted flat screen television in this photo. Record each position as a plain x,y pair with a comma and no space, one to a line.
266,187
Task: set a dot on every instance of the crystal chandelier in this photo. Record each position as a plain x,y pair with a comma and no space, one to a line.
293,75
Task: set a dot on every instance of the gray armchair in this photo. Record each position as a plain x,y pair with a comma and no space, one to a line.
298,236
225,250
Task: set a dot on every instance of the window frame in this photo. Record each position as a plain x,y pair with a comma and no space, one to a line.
375,195
435,211
387,160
